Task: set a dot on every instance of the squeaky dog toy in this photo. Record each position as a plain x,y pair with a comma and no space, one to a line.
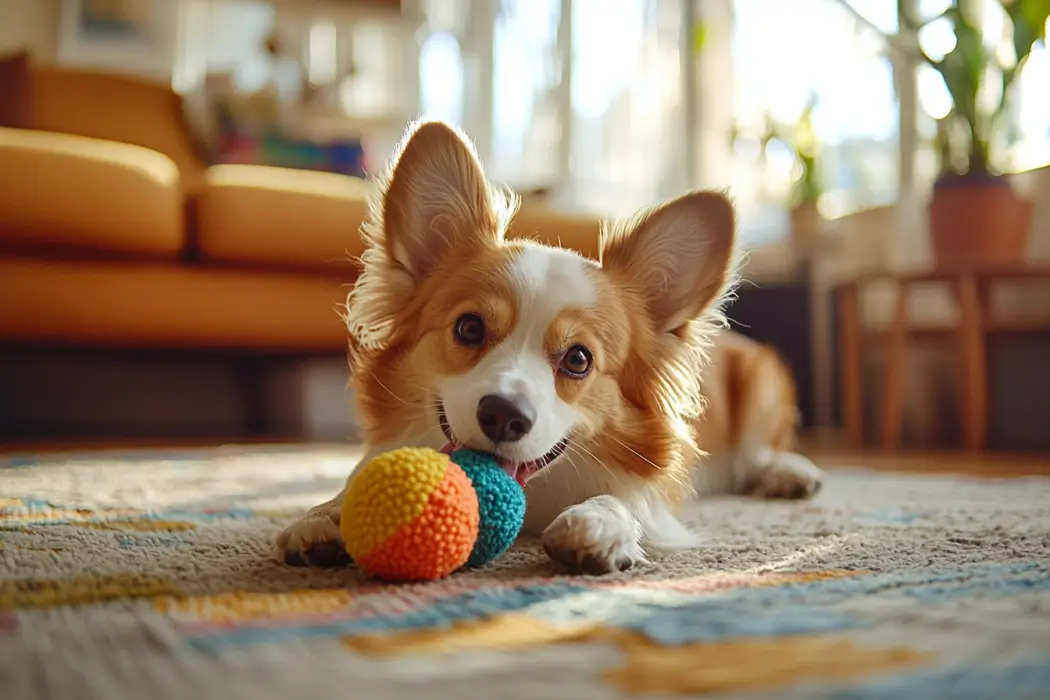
418,514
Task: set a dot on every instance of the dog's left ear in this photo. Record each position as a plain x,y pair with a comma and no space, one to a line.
678,256
438,199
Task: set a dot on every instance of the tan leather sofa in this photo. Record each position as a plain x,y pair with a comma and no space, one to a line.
114,232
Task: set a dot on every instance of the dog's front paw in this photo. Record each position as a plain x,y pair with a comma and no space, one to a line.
598,536
312,540
787,475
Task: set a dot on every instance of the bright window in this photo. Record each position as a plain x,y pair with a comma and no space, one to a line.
526,72
784,53
225,36
441,78
627,105
1032,113
1027,111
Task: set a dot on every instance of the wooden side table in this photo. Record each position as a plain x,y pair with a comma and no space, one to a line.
970,289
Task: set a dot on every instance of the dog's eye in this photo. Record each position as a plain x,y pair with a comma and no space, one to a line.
470,330
577,362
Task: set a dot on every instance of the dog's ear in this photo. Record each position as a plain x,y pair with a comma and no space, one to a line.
438,200
678,256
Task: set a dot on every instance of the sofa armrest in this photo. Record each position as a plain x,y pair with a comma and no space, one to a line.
88,194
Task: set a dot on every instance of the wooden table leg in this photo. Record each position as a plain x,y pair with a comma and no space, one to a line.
974,367
896,357
849,354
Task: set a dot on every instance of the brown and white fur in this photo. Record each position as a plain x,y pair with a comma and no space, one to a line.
600,365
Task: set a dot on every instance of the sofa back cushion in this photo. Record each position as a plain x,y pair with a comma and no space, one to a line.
71,195
117,108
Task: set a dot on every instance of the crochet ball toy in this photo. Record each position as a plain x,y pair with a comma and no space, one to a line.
417,514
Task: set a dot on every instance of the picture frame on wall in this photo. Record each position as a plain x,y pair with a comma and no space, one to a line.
124,36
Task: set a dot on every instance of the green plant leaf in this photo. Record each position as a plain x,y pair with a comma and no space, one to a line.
1029,21
800,137
966,134
699,37
963,69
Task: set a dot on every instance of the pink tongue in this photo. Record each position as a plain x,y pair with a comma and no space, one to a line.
514,471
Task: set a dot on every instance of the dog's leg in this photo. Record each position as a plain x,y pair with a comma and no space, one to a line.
594,521
769,474
760,472
761,462
598,536
314,539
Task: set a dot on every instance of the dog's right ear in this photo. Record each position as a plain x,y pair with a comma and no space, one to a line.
438,200
678,256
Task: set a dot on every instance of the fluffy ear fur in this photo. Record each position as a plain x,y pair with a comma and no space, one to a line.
433,200
678,256
437,200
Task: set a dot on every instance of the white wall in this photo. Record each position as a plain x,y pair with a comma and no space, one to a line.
37,26
31,24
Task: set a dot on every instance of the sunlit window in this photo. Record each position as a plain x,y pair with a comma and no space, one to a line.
626,104
321,56
526,73
1027,112
225,36
354,65
371,88
786,53
1032,113
443,59
441,78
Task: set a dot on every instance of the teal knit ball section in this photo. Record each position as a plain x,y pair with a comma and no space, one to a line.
501,505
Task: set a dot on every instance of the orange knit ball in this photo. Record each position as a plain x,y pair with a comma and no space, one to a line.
410,514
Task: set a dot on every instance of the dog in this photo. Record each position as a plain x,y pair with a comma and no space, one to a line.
587,380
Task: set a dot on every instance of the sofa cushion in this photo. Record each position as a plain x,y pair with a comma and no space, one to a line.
281,217
16,91
576,232
117,108
163,305
304,219
89,195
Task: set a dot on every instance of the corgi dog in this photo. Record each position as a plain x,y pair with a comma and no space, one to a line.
587,380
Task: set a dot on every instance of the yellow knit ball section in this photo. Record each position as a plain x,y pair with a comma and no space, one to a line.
388,493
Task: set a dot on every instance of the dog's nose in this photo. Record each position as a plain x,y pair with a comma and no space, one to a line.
505,418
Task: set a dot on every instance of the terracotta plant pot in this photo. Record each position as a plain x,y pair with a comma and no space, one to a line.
807,225
978,221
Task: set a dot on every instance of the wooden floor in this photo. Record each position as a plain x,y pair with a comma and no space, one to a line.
826,452
989,464
829,451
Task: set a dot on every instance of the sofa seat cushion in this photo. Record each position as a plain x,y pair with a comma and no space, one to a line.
88,195
167,306
281,217
303,219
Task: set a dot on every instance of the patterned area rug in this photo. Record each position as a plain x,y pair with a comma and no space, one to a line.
134,575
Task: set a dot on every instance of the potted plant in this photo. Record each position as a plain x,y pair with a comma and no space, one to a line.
806,189
975,215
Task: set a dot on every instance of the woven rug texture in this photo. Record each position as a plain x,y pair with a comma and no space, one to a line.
135,575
